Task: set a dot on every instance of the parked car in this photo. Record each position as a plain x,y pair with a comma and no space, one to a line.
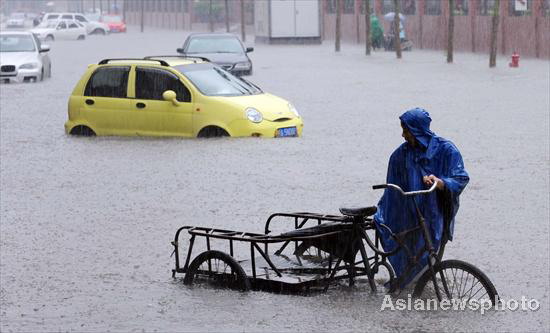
92,27
115,23
62,29
16,20
175,96
223,49
23,58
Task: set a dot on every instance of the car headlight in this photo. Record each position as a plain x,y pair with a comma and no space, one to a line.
293,110
30,65
253,115
242,65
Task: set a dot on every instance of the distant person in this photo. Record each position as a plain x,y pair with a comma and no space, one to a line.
38,19
376,32
406,45
424,159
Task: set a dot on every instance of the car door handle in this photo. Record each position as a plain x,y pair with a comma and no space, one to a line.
90,102
140,105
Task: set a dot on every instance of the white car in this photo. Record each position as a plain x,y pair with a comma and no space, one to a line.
92,27
23,58
61,29
16,20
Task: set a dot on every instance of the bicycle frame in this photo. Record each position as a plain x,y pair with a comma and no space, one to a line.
433,257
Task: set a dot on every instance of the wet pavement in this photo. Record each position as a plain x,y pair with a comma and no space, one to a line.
86,223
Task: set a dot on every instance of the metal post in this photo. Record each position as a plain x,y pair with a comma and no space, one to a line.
227,15
142,14
494,34
243,34
368,39
396,24
337,33
450,31
210,16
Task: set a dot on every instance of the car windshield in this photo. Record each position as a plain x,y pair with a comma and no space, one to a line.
112,19
212,80
214,45
16,43
93,16
48,24
17,16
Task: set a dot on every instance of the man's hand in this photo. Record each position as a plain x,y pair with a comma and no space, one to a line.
431,179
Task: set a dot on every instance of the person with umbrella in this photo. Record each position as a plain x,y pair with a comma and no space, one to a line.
406,45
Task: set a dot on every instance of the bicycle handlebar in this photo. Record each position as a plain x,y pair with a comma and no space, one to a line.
383,186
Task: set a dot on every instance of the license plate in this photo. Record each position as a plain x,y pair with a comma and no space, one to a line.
287,131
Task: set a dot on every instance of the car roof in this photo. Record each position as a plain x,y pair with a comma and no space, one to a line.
170,60
208,34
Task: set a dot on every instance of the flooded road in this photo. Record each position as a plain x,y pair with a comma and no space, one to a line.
86,223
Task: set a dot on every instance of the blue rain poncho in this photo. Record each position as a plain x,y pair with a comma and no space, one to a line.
407,167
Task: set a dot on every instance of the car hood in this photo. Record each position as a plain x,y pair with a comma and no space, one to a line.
41,30
271,107
17,58
221,58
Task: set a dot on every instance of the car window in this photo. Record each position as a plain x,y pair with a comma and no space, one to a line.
73,25
67,17
111,81
37,41
212,80
152,82
214,45
16,43
52,17
81,18
62,25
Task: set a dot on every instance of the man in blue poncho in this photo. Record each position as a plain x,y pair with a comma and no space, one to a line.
423,159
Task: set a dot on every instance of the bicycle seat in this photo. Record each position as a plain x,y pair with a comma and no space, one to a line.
359,211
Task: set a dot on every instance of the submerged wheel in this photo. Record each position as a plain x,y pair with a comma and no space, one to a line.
217,268
464,282
212,132
82,131
98,31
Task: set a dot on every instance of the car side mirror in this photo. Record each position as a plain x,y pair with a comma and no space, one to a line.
180,50
59,28
44,48
170,96
249,49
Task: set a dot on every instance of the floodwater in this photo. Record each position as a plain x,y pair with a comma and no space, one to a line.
86,223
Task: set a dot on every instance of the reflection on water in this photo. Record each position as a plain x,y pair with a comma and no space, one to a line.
86,223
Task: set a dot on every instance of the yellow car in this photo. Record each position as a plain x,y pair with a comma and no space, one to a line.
175,96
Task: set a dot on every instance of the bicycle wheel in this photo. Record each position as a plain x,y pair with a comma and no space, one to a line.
218,269
464,281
